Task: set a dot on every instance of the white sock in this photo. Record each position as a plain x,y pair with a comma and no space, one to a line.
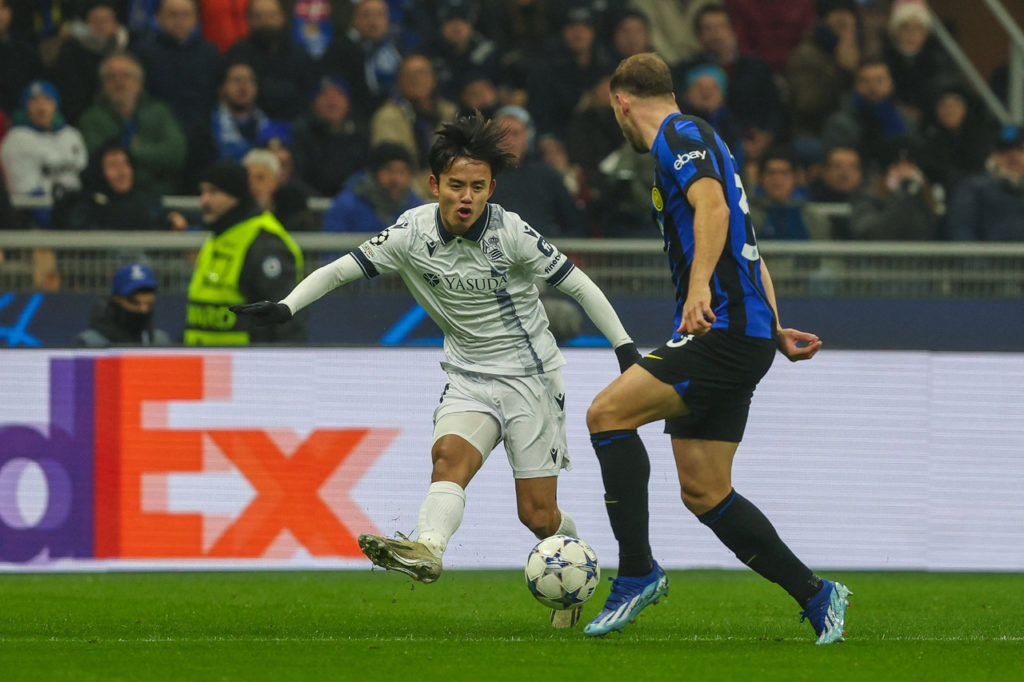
440,515
568,526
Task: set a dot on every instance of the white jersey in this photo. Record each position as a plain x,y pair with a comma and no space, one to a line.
36,161
479,287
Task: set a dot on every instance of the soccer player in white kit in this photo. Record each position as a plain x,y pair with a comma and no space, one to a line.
473,266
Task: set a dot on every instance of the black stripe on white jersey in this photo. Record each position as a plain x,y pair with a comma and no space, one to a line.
561,273
510,317
369,269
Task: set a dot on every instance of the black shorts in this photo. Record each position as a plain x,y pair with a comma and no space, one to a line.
715,374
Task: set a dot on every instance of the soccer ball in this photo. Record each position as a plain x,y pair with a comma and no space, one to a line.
562,572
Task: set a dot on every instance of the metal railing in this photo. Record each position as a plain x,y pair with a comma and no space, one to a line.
82,262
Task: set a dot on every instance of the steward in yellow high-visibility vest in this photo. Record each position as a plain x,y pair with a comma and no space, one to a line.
249,257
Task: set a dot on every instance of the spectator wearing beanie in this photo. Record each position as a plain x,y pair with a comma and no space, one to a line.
377,198
42,155
920,66
249,257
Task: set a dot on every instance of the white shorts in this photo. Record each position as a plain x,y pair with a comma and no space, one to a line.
530,416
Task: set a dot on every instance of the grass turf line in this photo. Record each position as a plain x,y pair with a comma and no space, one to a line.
483,625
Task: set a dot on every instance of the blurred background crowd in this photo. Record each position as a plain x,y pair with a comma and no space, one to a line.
109,106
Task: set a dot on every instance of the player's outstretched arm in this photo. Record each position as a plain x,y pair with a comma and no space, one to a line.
793,343
597,307
318,283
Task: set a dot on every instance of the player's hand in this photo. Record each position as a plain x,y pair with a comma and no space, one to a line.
264,312
797,345
697,313
627,355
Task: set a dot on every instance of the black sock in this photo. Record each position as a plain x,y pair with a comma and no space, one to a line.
750,535
625,470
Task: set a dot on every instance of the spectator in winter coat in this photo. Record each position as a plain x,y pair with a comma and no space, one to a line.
377,198
181,66
285,71
898,204
820,69
411,118
989,206
459,52
91,40
42,155
367,56
126,317
111,201
870,120
957,138
534,189
145,126
330,146
238,124
919,65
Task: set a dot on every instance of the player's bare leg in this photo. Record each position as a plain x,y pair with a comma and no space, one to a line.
536,499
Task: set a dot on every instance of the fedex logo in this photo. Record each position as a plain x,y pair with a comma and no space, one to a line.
108,478
683,159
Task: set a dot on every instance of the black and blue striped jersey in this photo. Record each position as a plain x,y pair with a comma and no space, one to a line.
686,149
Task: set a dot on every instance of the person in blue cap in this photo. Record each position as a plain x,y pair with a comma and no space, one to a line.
126,317
42,155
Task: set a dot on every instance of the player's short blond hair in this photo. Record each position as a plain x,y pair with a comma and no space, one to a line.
642,75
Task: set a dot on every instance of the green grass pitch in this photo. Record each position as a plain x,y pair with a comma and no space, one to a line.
483,625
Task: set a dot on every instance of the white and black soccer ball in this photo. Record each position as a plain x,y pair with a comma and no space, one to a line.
562,572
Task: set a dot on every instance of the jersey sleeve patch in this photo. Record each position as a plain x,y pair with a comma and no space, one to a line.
363,259
561,273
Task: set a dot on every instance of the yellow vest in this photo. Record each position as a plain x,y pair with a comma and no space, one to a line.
214,284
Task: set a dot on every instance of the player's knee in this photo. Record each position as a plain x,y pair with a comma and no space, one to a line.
600,415
452,464
700,499
541,522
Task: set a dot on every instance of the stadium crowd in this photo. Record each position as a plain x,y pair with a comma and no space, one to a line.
108,105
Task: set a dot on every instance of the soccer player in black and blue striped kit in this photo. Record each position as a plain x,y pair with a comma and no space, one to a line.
701,381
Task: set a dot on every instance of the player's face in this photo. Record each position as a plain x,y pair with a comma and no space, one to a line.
629,129
462,192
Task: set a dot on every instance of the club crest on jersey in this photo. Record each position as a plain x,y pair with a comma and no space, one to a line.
656,199
492,249
683,159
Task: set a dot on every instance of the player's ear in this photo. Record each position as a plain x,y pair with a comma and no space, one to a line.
490,192
435,187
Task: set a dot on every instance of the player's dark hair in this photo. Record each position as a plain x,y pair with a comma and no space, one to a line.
470,137
642,75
